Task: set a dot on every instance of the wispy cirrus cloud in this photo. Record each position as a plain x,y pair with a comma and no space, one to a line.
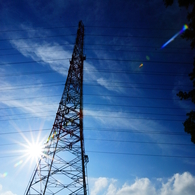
13,98
51,54
56,56
137,124
107,84
129,120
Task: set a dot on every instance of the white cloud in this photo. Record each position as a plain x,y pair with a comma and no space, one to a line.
109,85
111,189
115,119
178,184
183,184
6,192
29,106
99,185
141,186
50,53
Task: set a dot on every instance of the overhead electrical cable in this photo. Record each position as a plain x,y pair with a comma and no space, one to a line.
92,84
86,35
100,116
37,29
132,28
39,37
117,96
100,70
107,105
128,60
107,130
120,141
101,44
87,85
98,59
86,26
121,153
138,142
136,154
85,110
110,50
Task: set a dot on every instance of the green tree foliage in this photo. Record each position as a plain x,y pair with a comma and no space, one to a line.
189,124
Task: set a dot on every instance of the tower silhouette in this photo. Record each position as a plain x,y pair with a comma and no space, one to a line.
62,167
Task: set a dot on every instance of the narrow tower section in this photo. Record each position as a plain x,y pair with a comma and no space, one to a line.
62,168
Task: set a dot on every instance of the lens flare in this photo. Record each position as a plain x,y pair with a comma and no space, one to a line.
185,27
4,174
147,57
18,163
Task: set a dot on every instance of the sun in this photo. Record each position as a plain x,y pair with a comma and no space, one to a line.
30,150
34,150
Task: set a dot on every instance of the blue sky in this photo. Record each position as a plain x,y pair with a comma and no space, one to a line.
133,129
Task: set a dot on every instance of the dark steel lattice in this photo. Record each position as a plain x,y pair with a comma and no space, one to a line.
61,170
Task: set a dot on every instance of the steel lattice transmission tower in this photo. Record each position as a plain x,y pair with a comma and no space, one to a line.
62,168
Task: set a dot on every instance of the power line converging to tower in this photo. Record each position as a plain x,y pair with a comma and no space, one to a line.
62,168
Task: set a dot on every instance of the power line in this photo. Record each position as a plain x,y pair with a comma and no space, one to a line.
27,131
87,85
105,95
99,59
25,47
85,110
121,153
95,104
105,45
61,27
136,131
101,70
116,50
28,62
100,116
112,130
132,28
39,105
35,86
120,141
139,142
92,84
28,73
39,37
132,46
136,154
128,60
133,106
88,35
39,28
125,36
30,98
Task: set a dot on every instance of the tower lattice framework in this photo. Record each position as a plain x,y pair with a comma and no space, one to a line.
62,168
